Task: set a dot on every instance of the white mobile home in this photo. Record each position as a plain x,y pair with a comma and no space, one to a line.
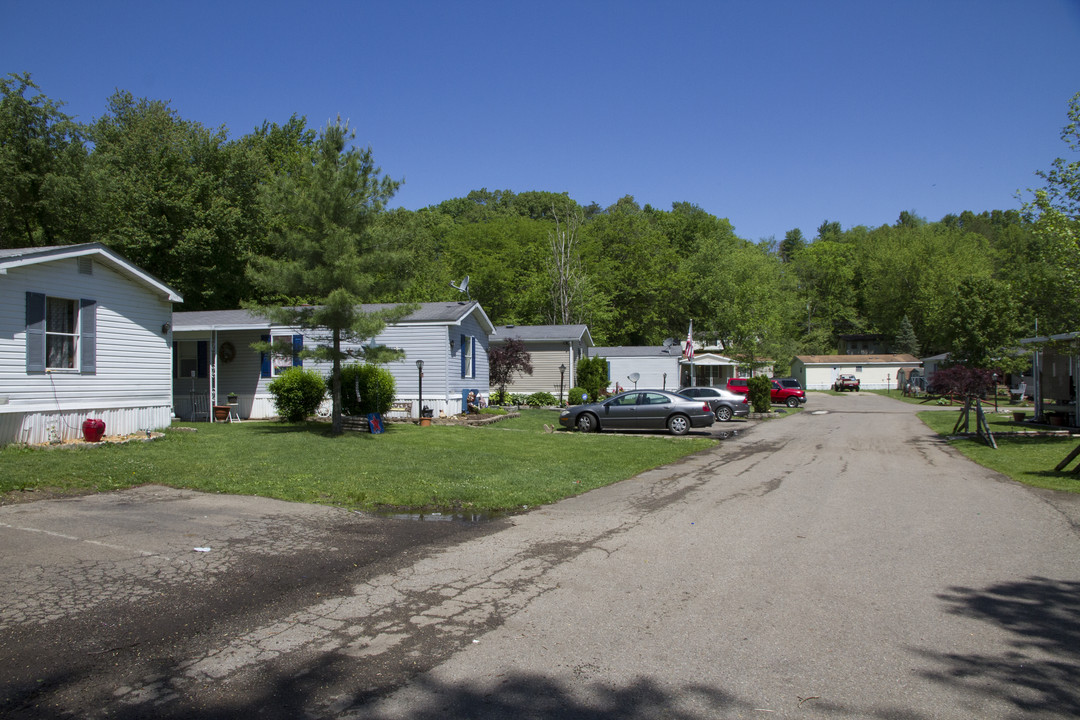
875,372
84,334
213,358
656,367
550,347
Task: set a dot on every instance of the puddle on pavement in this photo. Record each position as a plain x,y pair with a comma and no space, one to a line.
468,518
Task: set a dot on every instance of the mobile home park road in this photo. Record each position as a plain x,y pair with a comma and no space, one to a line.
842,563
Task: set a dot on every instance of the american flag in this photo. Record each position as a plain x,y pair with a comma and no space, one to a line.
688,351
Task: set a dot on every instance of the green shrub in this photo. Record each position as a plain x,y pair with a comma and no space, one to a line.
376,385
760,393
519,399
541,399
297,393
592,376
576,396
501,397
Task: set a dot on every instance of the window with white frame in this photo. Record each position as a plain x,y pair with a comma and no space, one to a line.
61,333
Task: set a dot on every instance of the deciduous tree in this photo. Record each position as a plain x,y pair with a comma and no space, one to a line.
505,360
43,193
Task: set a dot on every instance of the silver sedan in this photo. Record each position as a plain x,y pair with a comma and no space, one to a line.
640,410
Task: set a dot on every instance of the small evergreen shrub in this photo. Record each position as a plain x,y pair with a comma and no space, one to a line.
376,384
592,376
576,395
540,399
760,393
297,393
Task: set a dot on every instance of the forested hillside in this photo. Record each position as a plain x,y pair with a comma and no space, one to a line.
193,207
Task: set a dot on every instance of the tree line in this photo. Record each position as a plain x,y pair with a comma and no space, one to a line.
205,213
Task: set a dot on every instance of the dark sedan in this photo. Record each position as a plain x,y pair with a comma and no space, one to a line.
640,410
724,403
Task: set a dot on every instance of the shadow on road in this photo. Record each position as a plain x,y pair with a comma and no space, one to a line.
1039,669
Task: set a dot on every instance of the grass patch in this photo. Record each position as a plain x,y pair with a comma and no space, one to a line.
1004,402
1029,459
502,466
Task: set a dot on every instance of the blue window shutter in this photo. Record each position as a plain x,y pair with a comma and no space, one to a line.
265,359
87,337
175,359
203,358
464,355
297,346
473,370
35,332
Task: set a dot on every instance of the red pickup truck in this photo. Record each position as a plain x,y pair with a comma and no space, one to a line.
845,382
785,391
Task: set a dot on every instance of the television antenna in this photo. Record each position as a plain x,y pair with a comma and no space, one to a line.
634,377
463,286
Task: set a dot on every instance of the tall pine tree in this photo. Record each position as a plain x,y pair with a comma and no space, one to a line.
906,340
324,255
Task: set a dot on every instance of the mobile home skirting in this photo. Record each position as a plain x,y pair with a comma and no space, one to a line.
36,427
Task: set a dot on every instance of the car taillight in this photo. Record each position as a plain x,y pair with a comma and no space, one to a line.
706,408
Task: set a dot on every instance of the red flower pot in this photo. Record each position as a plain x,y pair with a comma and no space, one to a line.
92,430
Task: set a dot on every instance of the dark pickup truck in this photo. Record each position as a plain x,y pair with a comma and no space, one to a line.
846,382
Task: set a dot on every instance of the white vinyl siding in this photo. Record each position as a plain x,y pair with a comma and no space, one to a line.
132,358
442,387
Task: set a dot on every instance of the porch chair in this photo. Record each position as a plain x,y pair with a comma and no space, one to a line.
200,406
1017,393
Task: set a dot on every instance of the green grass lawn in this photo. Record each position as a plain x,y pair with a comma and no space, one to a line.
1025,458
1004,402
502,466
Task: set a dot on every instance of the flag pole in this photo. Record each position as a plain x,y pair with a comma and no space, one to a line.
688,351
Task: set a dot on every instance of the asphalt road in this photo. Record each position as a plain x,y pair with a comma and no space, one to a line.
843,563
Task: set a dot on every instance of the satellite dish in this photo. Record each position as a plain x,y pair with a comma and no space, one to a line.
668,342
463,286
634,377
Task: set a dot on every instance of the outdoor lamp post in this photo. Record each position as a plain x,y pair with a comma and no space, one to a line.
995,393
562,375
420,378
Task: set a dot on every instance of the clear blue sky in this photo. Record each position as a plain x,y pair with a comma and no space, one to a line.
774,115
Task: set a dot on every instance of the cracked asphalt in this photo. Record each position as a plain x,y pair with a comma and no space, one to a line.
846,564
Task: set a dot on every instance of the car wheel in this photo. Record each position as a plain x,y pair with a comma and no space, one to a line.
793,402
587,422
678,424
723,413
